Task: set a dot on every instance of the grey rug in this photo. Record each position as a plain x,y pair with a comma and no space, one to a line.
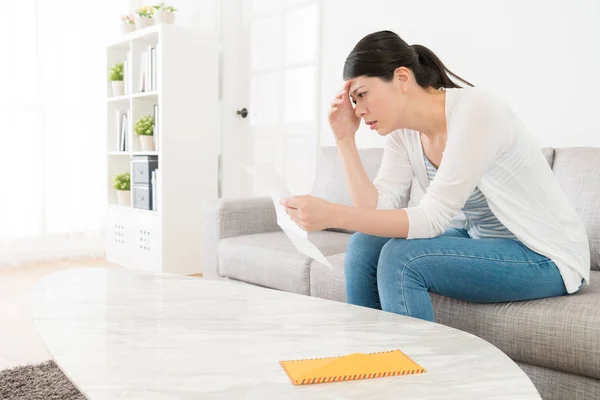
43,381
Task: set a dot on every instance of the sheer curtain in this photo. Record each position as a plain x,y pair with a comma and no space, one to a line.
52,127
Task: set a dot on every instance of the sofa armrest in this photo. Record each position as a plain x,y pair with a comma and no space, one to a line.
227,218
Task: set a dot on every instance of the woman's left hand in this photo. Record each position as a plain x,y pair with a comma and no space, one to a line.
311,213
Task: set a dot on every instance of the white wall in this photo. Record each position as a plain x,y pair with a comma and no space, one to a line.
543,57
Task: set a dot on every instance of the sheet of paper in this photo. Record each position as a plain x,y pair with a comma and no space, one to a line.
267,177
306,247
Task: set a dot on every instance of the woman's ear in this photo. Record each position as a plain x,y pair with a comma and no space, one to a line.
402,78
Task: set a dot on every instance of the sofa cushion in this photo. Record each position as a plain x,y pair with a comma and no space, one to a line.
271,260
330,178
578,172
558,385
561,333
329,283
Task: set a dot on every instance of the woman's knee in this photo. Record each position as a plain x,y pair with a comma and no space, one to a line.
362,244
394,257
394,249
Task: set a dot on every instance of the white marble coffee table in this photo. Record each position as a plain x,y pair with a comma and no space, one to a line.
122,334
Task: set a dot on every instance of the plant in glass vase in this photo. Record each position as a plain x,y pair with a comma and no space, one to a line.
144,17
164,14
122,183
144,127
115,75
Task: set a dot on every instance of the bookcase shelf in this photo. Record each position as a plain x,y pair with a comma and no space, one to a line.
170,238
153,95
119,99
132,209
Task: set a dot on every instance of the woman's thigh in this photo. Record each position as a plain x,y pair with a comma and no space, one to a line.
363,247
478,270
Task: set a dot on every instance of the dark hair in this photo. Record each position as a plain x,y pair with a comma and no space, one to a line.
379,54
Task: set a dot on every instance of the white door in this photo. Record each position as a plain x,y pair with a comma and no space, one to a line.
270,92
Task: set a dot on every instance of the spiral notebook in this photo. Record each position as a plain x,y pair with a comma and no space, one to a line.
351,367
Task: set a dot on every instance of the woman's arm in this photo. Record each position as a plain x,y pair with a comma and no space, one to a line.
386,223
362,191
315,214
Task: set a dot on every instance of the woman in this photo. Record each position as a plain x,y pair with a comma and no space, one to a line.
494,225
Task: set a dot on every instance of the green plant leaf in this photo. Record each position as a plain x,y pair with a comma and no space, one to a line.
122,181
145,126
116,72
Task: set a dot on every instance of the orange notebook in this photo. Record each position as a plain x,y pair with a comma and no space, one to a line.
350,367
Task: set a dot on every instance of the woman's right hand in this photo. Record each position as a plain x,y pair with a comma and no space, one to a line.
342,119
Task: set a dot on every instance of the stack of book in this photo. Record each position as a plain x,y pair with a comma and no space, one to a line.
126,73
148,73
122,130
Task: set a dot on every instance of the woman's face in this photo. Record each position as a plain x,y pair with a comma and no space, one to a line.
379,103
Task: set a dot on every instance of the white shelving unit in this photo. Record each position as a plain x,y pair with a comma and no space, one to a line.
169,239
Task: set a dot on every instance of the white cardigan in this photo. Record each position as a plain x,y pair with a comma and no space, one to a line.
490,148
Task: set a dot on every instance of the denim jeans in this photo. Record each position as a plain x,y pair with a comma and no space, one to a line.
396,275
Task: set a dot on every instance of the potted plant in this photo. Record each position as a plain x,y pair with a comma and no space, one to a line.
144,127
115,75
143,17
128,24
122,182
164,14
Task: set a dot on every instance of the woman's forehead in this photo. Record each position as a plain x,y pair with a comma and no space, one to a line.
355,83
358,82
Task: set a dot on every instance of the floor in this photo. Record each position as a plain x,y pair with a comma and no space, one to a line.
19,342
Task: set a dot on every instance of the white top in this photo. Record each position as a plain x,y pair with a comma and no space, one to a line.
480,221
488,147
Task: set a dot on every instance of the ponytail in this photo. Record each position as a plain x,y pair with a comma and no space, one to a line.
431,71
379,54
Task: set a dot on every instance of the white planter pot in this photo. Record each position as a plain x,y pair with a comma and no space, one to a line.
164,17
118,89
127,28
143,22
124,197
147,142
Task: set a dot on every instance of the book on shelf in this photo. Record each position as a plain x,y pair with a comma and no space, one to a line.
153,68
142,75
118,131
148,70
123,132
126,73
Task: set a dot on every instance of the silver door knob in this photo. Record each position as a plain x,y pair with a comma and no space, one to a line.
243,112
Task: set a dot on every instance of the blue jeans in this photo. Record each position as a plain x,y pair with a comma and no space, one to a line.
396,275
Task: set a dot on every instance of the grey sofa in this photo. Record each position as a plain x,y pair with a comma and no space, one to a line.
556,341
